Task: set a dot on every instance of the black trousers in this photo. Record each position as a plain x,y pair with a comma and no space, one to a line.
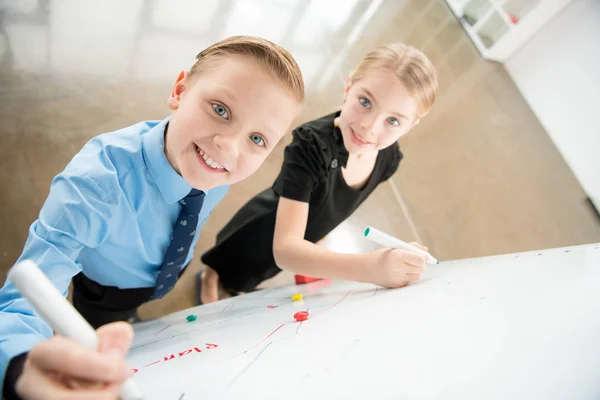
101,305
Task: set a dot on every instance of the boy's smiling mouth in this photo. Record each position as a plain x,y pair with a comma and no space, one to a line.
208,162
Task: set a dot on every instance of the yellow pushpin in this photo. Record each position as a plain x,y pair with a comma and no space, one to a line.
297,297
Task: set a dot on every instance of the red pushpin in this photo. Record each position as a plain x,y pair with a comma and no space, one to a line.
301,316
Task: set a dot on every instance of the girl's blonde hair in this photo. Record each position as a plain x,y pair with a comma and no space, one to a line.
278,61
411,66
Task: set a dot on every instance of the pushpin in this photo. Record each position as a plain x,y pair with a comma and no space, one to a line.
191,318
297,297
301,316
304,279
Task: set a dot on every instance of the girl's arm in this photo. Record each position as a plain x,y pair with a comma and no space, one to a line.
386,267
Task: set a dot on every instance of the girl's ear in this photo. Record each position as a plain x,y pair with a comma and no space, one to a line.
348,85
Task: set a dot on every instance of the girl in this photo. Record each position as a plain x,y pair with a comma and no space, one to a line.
332,165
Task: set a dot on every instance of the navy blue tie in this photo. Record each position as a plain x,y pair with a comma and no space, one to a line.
183,234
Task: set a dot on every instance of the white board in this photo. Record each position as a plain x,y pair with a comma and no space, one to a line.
505,327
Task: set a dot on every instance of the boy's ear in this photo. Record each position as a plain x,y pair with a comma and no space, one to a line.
178,89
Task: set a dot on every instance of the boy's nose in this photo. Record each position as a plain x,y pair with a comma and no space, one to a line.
228,145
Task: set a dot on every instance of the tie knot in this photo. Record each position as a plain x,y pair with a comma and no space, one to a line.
192,203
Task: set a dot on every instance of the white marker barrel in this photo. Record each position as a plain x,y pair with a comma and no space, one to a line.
45,298
389,241
35,286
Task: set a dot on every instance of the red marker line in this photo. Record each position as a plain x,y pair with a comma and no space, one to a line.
162,330
147,365
268,336
228,307
338,302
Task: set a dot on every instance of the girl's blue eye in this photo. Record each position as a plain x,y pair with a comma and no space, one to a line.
220,110
365,102
258,140
393,121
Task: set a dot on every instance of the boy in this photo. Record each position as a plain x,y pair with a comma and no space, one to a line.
123,218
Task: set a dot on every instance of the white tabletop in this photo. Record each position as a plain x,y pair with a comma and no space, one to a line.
504,327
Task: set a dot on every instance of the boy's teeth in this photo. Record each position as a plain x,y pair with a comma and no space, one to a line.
209,161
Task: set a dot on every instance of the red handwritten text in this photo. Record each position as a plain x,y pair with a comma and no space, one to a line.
169,357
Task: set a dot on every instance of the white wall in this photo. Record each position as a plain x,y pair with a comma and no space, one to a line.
558,73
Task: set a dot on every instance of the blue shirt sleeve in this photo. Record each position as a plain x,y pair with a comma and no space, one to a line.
76,214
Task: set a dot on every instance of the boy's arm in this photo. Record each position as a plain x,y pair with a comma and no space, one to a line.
75,214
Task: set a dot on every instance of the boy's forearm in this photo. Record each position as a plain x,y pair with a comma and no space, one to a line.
303,257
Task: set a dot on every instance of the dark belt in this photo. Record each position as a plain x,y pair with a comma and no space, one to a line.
100,304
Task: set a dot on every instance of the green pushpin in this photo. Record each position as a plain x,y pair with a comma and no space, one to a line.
191,318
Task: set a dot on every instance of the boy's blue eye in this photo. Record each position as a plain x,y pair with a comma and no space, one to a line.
258,140
220,110
393,121
365,102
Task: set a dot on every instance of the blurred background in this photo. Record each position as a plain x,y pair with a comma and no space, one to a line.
506,161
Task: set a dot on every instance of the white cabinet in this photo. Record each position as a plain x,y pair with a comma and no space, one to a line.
498,28
557,73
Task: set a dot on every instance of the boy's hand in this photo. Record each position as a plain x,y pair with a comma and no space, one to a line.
419,246
396,267
61,368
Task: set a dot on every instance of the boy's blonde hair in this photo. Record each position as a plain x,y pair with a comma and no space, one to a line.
275,58
411,66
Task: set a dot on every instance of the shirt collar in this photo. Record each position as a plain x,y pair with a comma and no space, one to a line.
172,186
340,150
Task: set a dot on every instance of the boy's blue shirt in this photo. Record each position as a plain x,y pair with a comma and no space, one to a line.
110,214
